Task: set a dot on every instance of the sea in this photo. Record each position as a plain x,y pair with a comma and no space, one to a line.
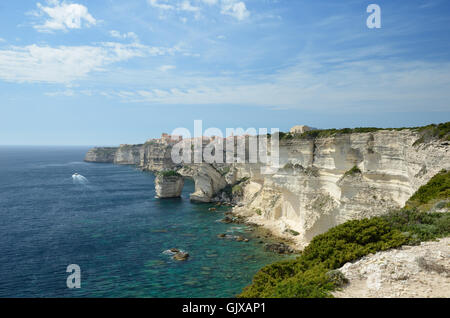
109,223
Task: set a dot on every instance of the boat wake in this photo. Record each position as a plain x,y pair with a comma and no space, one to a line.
79,179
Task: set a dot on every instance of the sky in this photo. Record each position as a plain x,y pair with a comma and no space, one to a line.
108,72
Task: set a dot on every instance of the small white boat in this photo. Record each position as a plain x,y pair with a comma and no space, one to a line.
78,178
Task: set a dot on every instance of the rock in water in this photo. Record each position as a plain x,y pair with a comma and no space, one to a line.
168,186
181,256
279,248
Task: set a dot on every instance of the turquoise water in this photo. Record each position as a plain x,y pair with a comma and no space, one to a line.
114,229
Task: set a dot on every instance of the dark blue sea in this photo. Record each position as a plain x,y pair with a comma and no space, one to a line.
114,229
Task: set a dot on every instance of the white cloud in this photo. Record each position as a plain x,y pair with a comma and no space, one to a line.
236,9
63,16
165,68
64,64
187,6
128,35
210,2
161,4
65,93
348,86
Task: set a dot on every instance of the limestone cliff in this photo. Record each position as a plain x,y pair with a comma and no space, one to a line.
208,182
324,182
101,155
325,178
128,155
156,156
168,186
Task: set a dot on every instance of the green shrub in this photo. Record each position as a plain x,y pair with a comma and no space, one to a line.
168,173
293,232
419,226
237,190
441,131
307,276
352,171
438,188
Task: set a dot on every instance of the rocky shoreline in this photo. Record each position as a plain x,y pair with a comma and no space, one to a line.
264,236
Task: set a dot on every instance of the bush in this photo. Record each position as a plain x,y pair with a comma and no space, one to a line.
419,226
306,276
438,188
440,131
237,190
309,274
353,171
168,173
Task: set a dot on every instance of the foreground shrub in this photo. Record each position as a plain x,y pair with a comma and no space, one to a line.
309,274
438,188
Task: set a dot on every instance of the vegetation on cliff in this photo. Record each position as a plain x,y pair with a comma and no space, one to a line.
168,173
309,275
433,131
436,190
352,171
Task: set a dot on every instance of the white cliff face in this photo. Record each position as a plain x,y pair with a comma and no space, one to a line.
156,156
208,182
101,155
128,155
312,192
168,186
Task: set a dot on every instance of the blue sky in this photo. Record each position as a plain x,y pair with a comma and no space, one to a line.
106,72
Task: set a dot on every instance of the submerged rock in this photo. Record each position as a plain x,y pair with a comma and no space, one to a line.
241,239
237,238
227,220
279,248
